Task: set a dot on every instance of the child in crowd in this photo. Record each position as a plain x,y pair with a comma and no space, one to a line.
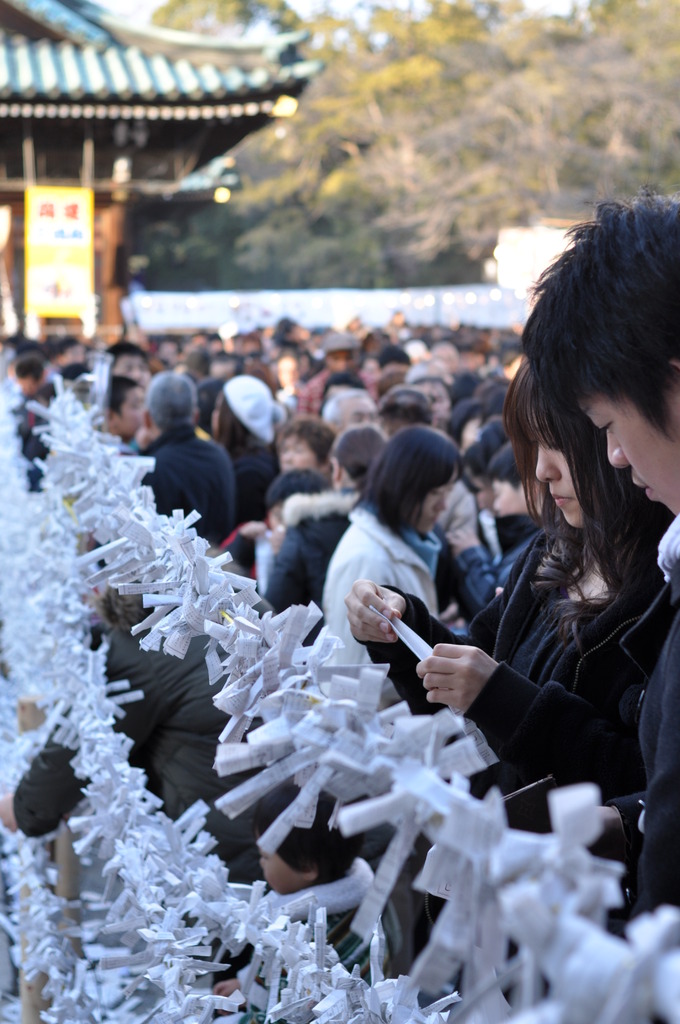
305,442
125,412
243,541
318,863
314,521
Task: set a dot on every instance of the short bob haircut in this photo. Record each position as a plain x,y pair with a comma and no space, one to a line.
621,527
415,461
503,466
606,312
355,449
305,848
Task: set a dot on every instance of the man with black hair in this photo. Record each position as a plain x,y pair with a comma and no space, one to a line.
30,372
393,355
129,360
125,411
66,351
604,335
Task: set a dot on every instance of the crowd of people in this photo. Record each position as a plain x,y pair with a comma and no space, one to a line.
276,438
478,493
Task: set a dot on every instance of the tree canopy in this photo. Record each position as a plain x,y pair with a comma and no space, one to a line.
432,126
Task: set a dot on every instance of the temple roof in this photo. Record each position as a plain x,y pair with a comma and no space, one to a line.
87,98
65,51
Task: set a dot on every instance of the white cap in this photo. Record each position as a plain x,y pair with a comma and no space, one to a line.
253,404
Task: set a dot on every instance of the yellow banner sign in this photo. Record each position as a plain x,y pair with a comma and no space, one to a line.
59,251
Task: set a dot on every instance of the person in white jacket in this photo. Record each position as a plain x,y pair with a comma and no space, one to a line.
390,536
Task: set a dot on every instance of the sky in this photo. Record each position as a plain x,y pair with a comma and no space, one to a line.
140,11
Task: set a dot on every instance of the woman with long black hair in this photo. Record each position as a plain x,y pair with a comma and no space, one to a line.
541,671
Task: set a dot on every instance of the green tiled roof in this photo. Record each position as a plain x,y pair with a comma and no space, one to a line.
97,58
47,70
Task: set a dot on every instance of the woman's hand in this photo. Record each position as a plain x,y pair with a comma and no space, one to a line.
611,843
364,623
455,674
253,529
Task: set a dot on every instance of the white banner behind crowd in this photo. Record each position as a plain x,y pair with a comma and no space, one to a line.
477,305
168,898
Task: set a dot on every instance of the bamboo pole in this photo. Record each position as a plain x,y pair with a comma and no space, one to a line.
30,716
68,880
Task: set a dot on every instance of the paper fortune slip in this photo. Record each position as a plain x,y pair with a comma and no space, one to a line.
422,650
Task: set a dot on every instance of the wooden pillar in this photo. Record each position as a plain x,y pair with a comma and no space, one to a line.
9,322
113,250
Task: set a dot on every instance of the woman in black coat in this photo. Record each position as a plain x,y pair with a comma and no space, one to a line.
541,671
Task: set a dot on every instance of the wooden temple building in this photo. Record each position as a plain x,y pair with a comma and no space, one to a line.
87,100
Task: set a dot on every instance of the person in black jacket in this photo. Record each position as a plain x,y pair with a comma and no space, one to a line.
603,336
541,671
175,730
190,473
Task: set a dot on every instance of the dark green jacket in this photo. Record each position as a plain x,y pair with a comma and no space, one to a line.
175,730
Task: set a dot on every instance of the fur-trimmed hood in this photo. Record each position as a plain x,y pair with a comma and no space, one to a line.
299,507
